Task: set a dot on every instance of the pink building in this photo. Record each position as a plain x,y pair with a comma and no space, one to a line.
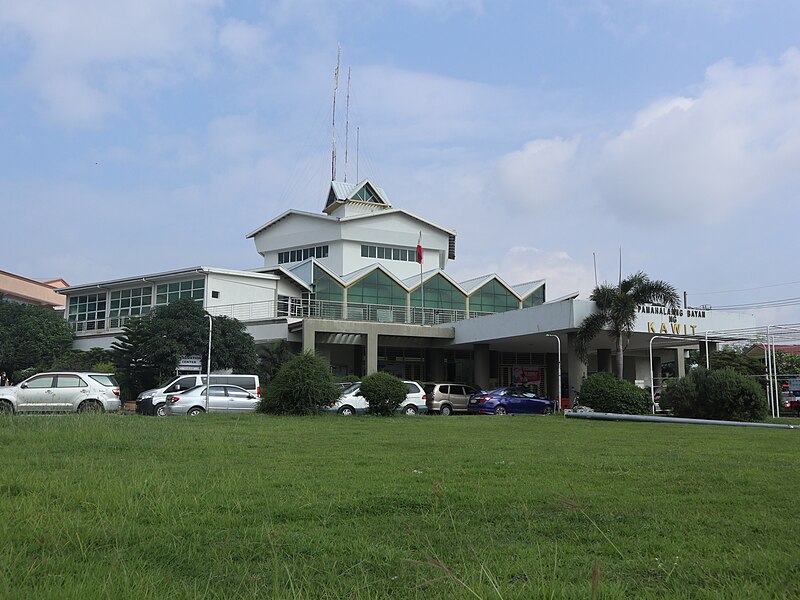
16,288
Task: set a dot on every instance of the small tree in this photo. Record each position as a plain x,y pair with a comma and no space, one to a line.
722,394
303,386
605,393
383,392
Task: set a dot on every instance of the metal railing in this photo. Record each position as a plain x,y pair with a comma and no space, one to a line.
318,309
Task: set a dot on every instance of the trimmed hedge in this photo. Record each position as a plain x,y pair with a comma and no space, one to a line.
605,393
302,386
383,393
724,394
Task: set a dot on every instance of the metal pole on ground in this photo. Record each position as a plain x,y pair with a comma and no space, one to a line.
558,339
208,369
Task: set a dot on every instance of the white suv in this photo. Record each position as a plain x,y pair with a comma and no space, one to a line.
350,403
62,391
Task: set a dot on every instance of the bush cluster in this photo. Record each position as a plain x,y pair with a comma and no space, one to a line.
724,394
605,393
383,393
303,386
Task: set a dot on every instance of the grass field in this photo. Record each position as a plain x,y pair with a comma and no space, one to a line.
99,506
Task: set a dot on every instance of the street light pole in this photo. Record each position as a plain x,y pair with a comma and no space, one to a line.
558,339
208,369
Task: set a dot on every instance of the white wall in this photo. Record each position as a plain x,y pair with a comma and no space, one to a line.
240,289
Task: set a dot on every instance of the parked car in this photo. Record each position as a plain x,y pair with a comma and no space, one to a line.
351,403
448,398
152,402
510,400
221,398
791,402
63,391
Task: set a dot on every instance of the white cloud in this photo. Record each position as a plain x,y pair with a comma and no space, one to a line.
562,272
727,148
86,56
540,174
708,156
244,41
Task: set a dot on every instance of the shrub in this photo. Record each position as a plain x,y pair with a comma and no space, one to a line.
383,393
605,393
303,386
724,395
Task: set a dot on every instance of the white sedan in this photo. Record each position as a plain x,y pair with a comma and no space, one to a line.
221,398
351,402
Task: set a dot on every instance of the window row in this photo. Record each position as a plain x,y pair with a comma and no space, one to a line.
88,312
302,254
401,254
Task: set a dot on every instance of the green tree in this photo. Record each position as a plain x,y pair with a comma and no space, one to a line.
150,347
616,311
31,338
303,386
383,392
272,357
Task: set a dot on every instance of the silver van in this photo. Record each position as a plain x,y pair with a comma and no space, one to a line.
447,398
151,402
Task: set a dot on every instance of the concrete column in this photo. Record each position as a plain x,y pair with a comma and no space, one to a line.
372,352
480,354
604,364
435,366
309,338
576,368
680,363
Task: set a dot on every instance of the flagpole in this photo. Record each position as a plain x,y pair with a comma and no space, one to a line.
421,287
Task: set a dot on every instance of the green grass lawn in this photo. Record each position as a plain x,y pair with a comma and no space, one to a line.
98,506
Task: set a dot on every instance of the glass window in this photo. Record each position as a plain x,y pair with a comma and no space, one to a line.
377,288
235,392
128,303
45,381
87,312
106,380
372,251
439,293
535,299
493,298
216,390
170,292
326,288
70,381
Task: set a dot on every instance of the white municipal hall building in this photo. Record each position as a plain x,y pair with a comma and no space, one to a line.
346,284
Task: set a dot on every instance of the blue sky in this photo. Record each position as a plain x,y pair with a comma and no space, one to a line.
145,136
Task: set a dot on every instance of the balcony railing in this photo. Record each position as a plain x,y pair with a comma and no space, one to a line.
340,311
318,309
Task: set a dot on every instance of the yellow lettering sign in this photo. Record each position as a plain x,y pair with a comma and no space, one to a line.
676,328
663,328
650,328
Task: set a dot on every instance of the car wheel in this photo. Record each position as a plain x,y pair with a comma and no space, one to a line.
194,411
90,406
500,410
347,411
410,409
446,411
548,411
6,408
158,410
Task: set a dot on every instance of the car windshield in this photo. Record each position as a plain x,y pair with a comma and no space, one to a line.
106,380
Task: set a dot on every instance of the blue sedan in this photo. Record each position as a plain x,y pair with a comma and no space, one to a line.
509,400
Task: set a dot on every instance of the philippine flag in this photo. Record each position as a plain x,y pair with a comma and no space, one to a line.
419,248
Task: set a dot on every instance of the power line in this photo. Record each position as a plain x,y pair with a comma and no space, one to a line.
761,305
761,287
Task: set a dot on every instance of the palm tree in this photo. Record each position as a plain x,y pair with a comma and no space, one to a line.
616,310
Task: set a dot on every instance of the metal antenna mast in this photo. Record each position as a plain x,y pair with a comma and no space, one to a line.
347,125
358,143
333,122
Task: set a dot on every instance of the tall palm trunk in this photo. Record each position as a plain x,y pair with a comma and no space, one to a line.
620,358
